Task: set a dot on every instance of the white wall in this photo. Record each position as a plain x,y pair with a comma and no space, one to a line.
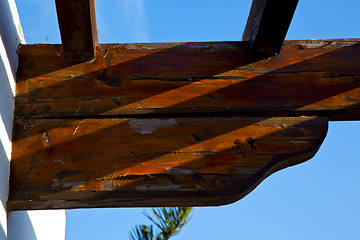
37,225
9,41
31,225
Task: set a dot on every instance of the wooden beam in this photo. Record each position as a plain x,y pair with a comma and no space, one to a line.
313,78
267,25
171,124
127,162
77,23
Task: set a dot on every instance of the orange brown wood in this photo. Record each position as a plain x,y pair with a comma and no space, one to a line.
152,161
77,23
171,124
311,78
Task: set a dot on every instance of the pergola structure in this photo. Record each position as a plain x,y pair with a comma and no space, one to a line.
170,124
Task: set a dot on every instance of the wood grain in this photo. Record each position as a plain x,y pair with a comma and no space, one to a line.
171,124
311,78
152,161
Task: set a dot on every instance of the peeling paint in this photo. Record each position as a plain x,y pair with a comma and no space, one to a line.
313,44
46,140
299,141
148,126
180,171
94,100
158,187
150,46
247,170
193,45
58,161
77,111
77,128
210,47
75,186
352,99
106,185
55,182
140,105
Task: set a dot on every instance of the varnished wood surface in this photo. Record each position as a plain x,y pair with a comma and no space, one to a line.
267,25
152,161
171,124
309,77
77,23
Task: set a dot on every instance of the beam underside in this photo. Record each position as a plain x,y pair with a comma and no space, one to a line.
153,162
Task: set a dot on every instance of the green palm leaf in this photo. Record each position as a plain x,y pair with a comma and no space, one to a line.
169,220
142,232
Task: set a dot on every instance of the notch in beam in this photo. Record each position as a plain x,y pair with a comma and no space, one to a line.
77,23
267,26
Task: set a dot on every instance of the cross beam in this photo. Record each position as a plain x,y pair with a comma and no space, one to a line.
267,26
312,78
170,124
265,30
77,23
174,123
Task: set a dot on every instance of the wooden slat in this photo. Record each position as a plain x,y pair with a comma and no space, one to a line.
77,23
267,25
152,161
313,78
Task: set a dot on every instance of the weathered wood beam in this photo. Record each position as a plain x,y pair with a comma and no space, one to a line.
267,25
171,124
77,23
193,161
313,78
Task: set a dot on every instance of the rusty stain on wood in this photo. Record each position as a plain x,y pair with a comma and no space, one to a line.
109,162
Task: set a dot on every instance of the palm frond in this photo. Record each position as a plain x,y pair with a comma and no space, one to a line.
170,220
142,232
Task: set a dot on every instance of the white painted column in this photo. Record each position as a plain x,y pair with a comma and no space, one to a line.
37,225
9,41
22,225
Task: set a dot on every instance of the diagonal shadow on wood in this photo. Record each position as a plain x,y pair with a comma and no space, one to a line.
68,135
302,82
207,161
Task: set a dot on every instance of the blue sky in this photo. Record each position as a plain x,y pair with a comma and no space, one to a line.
319,199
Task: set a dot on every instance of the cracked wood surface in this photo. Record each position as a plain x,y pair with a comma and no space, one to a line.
152,161
313,78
